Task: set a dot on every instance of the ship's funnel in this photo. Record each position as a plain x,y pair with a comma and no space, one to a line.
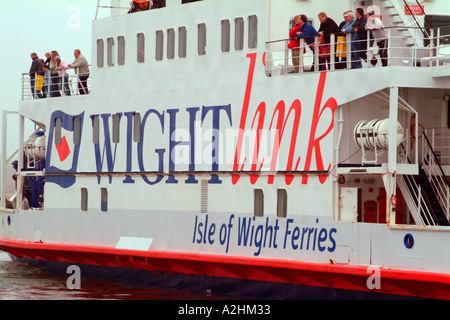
374,134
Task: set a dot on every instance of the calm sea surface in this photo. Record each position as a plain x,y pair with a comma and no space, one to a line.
19,281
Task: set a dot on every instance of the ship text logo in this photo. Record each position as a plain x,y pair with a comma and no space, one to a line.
176,142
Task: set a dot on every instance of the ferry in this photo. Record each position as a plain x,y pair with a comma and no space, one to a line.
207,152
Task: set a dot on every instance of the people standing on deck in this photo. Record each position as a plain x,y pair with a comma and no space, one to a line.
360,28
35,70
61,67
82,70
350,19
379,33
307,32
294,44
54,77
45,88
341,48
327,28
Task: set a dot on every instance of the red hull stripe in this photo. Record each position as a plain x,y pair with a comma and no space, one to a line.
400,282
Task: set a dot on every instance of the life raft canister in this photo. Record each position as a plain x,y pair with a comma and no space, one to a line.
142,4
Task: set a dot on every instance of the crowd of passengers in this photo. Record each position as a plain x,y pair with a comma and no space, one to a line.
358,25
49,78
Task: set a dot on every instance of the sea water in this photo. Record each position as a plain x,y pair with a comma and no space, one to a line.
20,281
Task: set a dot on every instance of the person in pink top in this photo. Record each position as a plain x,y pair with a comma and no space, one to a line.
62,67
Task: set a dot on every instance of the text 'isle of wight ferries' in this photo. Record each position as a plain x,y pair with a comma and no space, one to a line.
206,142
248,232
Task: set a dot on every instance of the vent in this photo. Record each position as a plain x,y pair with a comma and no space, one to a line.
204,196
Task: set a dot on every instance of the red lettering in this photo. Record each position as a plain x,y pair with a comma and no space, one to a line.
314,143
280,126
248,92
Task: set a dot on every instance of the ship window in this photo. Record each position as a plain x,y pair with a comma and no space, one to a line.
252,32
170,43
202,39
100,53
225,35
58,131
104,199
84,199
182,42
116,128
258,208
159,45
95,129
76,130
110,43
137,127
239,34
281,203
121,50
140,47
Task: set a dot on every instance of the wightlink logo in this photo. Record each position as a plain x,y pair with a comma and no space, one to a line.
287,136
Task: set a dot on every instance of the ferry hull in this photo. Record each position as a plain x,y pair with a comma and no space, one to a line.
234,275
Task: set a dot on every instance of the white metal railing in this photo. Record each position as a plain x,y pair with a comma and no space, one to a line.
279,59
48,86
415,199
436,176
440,142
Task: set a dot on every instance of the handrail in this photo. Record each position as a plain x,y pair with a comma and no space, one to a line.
424,32
437,162
51,86
280,59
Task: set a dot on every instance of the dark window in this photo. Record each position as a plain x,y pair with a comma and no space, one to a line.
140,47
239,34
281,203
100,53
182,42
202,39
159,45
225,35
258,207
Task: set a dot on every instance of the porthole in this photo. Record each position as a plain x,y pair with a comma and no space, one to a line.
408,240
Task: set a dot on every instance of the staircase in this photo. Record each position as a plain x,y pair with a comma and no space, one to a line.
407,27
428,193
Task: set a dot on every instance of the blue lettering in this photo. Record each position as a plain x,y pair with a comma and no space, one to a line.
99,158
216,137
331,249
129,116
160,152
322,238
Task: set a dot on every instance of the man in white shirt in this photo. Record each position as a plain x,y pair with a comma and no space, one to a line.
379,33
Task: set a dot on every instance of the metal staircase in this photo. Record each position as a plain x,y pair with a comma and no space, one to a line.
407,27
428,193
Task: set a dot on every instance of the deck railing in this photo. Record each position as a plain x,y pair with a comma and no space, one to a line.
37,86
346,54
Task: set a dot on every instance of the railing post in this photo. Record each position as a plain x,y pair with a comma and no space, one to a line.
438,44
389,53
286,58
316,53
301,50
349,51
431,46
332,52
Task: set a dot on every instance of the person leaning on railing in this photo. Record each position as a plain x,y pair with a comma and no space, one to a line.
82,70
294,44
35,71
379,33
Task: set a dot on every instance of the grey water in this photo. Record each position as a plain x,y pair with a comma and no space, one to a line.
20,281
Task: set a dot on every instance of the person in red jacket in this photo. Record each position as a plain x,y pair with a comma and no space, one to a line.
294,44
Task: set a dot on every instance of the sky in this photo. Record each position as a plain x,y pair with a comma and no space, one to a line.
39,26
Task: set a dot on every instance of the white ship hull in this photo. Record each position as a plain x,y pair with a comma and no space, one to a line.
217,165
